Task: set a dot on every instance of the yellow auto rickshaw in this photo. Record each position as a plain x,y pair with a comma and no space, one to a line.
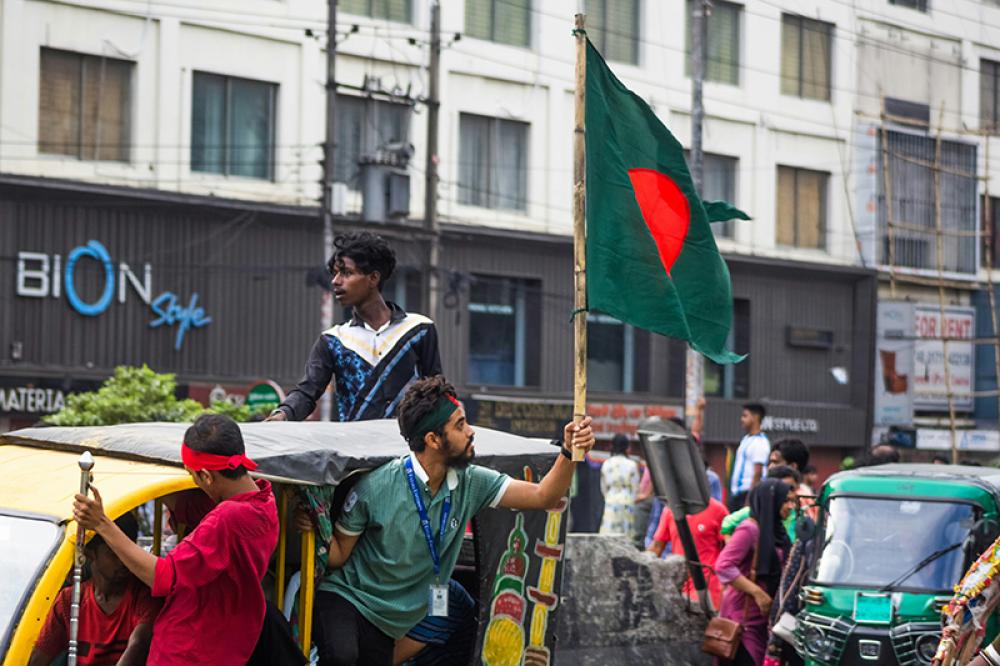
510,562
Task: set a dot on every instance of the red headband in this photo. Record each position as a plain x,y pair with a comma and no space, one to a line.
198,460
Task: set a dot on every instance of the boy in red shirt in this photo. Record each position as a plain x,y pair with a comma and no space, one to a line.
706,530
213,606
116,612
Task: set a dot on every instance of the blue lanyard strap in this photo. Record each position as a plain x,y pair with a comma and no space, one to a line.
425,521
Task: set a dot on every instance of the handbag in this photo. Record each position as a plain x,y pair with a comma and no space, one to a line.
722,635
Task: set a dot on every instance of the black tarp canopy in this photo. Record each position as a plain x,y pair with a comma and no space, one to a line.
320,453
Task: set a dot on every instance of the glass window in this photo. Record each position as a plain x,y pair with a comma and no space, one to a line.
894,543
723,35
365,126
990,207
502,21
493,157
613,27
393,10
504,331
84,106
718,184
801,215
25,546
610,354
911,174
805,57
232,126
989,116
732,380
919,5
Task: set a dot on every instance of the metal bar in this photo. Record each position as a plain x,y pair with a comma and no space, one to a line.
307,590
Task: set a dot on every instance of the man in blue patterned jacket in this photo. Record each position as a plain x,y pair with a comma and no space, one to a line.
374,356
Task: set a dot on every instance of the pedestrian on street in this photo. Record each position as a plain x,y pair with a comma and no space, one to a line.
781,473
706,529
213,607
620,479
373,356
749,467
397,541
750,565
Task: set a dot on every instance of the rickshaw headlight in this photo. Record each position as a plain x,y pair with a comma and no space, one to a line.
927,647
816,643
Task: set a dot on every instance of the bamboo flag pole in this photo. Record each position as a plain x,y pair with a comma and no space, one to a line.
580,233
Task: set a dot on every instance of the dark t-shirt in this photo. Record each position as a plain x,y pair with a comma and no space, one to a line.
102,638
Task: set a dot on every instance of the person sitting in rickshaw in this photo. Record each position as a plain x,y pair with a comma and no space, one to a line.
116,612
397,540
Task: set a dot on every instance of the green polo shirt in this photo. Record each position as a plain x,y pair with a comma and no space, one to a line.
389,573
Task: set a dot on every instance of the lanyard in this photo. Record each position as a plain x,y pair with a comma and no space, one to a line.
425,521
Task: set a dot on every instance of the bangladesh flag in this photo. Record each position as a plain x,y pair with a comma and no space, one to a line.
651,258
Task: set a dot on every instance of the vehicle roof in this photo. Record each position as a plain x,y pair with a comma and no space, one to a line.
311,452
929,477
43,482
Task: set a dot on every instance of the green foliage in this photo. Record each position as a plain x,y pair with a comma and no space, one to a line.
140,395
241,413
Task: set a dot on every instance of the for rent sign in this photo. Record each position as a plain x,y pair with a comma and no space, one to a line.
930,380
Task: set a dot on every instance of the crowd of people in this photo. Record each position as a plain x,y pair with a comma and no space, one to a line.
386,594
751,544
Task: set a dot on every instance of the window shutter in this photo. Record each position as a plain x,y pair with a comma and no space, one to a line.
106,109
723,44
479,18
621,36
791,44
810,198
59,103
359,7
641,362
511,174
595,24
474,159
987,95
350,122
208,122
511,25
786,206
816,60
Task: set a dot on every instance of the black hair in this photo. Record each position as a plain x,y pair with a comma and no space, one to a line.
783,472
882,454
126,523
756,409
419,401
619,445
809,469
370,253
219,435
793,451
939,457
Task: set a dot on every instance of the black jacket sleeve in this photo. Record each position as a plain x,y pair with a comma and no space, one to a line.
301,400
430,357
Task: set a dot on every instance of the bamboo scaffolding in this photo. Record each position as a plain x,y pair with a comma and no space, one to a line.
580,233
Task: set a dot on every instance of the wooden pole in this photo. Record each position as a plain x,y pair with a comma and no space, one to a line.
580,234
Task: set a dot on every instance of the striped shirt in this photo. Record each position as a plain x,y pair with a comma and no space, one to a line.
371,368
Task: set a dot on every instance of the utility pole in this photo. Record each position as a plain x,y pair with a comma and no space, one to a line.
431,281
329,152
694,376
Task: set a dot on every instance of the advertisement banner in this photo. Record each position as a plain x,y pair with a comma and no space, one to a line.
894,363
930,389
966,440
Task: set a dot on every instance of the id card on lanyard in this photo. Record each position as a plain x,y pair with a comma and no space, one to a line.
437,598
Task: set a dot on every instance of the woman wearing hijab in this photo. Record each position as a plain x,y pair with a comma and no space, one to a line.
750,567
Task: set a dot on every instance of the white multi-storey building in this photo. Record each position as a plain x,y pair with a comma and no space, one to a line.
226,99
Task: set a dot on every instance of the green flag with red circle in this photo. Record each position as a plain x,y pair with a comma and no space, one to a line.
651,257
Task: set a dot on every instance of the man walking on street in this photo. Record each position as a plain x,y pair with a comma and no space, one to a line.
375,355
750,464
397,541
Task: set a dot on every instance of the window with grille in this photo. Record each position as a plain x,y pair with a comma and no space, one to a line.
989,113
492,169
232,126
84,106
801,217
806,47
912,241
722,32
393,10
502,21
504,331
613,28
365,126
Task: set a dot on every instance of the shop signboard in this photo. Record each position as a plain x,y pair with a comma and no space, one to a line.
930,382
894,363
532,417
